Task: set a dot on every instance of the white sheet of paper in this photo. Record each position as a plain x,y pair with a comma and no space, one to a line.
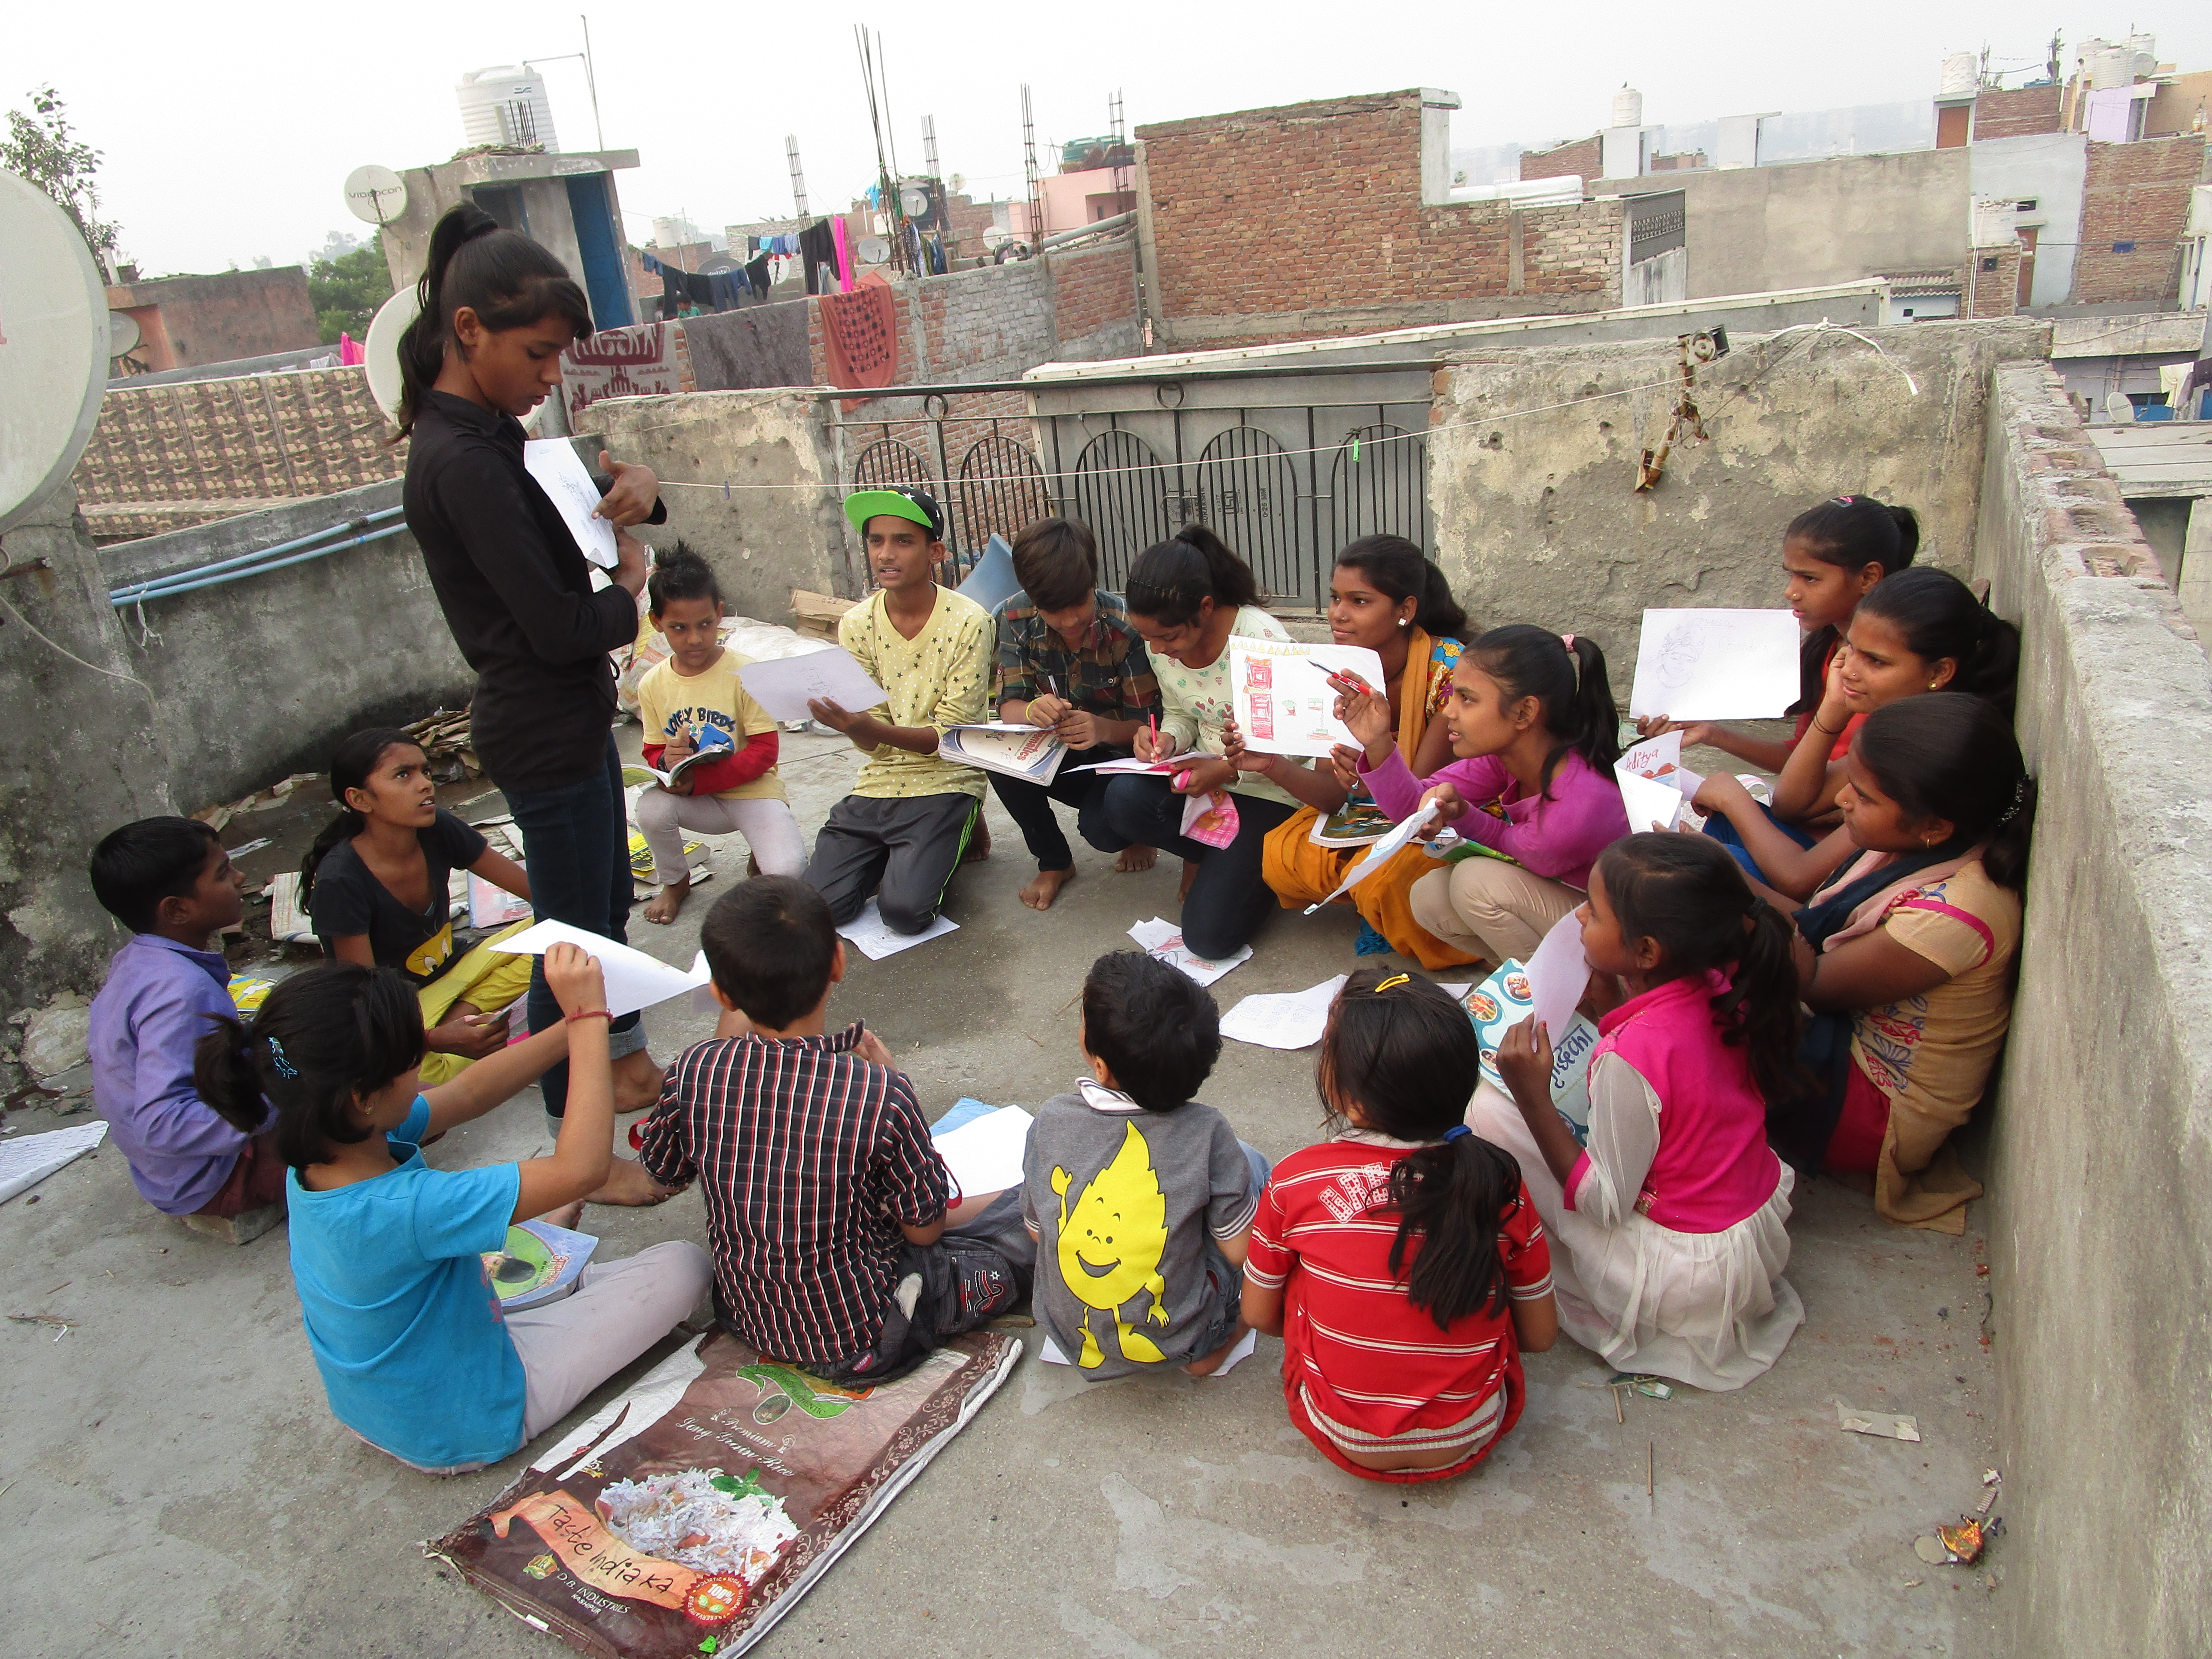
1048,1351
1289,1019
1131,763
1716,664
635,980
985,1153
784,685
554,463
1558,973
1163,939
28,1159
1284,704
1646,803
875,941
1456,992
1660,759
1380,853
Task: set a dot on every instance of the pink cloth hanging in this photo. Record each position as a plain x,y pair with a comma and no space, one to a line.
844,255
349,351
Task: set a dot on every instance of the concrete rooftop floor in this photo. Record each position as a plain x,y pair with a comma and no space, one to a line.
171,1482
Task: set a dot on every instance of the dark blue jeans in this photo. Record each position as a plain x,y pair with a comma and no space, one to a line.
1719,827
575,844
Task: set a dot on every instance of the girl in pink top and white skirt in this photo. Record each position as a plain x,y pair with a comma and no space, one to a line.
1668,1230
1532,722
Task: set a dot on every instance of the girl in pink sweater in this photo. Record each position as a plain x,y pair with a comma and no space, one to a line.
1533,725
1668,1229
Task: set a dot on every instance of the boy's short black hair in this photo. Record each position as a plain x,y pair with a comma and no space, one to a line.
135,867
770,943
680,573
1157,1029
1056,562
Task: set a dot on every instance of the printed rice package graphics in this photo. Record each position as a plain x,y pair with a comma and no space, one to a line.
693,1510
1503,1001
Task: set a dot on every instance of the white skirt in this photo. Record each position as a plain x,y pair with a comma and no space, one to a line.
1710,1309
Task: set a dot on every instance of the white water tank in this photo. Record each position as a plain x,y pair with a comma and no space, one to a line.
2144,49
506,106
1961,75
2110,66
1628,108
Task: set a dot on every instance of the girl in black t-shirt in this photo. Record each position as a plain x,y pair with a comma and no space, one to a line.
376,883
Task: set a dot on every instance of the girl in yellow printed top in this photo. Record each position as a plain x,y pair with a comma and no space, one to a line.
695,702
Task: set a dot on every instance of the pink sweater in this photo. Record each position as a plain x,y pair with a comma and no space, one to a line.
1713,1166
1560,838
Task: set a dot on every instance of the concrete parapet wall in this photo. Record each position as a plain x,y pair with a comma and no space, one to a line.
2102,1130
1532,458
780,526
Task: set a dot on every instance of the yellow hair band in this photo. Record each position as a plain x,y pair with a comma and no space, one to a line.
1394,979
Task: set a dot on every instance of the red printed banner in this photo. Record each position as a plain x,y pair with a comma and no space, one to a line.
593,1556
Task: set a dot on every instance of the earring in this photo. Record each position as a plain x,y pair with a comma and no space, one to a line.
1402,622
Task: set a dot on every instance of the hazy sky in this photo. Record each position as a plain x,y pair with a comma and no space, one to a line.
227,131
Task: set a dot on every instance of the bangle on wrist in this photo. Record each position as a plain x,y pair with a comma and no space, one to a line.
588,1013
1828,731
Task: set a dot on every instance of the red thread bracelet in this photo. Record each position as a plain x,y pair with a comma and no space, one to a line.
588,1013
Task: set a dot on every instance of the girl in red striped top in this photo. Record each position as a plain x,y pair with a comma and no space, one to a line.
1402,1262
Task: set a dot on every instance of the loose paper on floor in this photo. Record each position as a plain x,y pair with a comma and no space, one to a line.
985,1153
1716,664
1283,703
1289,1019
559,473
1379,854
28,1159
875,941
785,686
1163,939
1888,1425
635,980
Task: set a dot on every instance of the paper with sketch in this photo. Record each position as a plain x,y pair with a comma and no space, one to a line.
635,980
560,474
785,685
1660,759
28,1159
1559,974
985,1153
1378,856
1289,1019
1716,664
1163,940
1650,805
1284,704
875,941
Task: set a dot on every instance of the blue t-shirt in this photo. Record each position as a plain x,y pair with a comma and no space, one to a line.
403,1317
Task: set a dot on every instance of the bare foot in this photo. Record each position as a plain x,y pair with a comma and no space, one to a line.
1045,887
629,1183
637,1081
1136,858
664,905
979,844
1212,1362
1189,875
566,1216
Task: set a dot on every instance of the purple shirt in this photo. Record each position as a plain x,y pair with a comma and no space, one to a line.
144,1022
1560,838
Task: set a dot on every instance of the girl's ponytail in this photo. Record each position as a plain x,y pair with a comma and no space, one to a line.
226,1078
1168,579
1993,671
1234,585
353,762
1761,1001
422,344
1454,1199
1950,754
1596,723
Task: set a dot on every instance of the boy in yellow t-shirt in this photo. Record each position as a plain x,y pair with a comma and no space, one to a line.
692,702
904,829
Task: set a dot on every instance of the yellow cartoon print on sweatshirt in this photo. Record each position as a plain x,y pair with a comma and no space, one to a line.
1110,1244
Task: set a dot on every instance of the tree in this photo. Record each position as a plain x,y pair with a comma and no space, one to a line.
42,148
346,289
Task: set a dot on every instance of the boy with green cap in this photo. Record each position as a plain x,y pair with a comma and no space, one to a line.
904,829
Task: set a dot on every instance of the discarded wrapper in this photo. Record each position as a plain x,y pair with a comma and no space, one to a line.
1888,1425
1643,1382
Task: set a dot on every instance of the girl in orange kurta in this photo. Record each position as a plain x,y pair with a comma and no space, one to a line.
1383,594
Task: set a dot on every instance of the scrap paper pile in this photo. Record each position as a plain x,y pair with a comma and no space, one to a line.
1019,752
694,1510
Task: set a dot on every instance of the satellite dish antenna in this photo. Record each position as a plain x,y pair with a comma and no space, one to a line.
993,235
374,195
53,307
122,334
916,201
379,351
874,251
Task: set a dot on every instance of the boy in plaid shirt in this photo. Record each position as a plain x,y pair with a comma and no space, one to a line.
837,1240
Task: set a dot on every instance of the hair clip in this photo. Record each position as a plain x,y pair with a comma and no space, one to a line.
276,1057
1394,979
1457,1132
2019,797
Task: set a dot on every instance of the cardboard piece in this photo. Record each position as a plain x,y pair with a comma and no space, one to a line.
1716,664
1886,1426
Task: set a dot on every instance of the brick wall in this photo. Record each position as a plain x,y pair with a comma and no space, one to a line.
2134,204
1308,221
1584,159
1094,300
2017,112
1992,292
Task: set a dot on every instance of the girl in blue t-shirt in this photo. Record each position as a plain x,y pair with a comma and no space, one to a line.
416,1354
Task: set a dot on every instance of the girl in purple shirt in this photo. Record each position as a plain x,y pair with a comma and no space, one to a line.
1533,724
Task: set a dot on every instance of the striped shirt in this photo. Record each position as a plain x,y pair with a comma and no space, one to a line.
809,1159
1372,1371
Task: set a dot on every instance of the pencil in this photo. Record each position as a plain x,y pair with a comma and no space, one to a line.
1650,1460
1617,1416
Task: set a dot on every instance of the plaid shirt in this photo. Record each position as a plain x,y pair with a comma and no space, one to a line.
810,1158
1110,675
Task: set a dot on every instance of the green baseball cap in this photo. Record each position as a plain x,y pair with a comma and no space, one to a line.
904,502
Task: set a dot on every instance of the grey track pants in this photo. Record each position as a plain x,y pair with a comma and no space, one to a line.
902,852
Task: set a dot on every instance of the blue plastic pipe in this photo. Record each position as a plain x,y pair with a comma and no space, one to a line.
126,595
202,578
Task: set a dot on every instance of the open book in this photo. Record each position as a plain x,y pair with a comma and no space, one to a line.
1019,751
714,743
541,1263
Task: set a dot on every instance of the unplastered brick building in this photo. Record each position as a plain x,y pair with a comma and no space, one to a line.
1339,217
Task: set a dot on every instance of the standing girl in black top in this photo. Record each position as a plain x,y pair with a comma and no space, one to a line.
497,312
